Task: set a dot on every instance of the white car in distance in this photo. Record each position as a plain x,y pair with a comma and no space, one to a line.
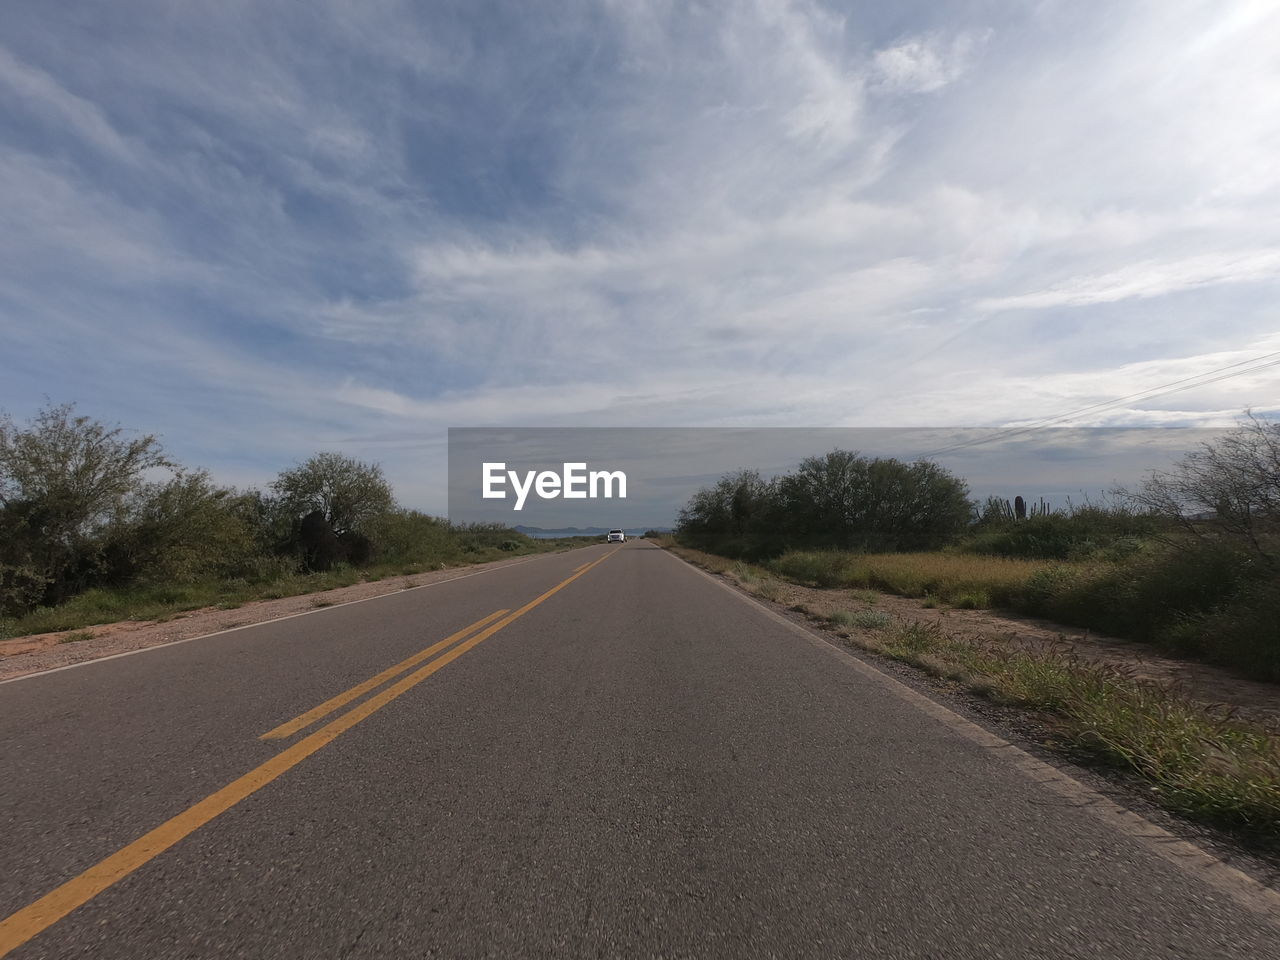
617,536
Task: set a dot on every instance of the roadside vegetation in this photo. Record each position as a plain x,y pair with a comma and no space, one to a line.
99,525
1189,561
1198,761
1201,761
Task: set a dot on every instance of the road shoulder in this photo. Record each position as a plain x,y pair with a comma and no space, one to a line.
1249,876
39,653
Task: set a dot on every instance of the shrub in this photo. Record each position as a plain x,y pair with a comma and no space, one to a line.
768,589
1228,489
1206,598
737,517
182,530
348,493
866,619
849,502
972,600
63,479
480,537
820,568
1077,533
21,587
1142,598
409,535
838,501
1245,633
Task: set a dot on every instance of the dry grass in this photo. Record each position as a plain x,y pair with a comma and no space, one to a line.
1199,761
866,619
965,580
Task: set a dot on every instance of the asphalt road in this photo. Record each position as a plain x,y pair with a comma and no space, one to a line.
639,764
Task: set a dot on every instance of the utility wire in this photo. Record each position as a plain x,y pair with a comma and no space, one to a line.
1151,393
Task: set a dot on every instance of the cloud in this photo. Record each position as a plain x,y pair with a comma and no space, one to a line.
1150,279
267,231
54,225
44,97
927,63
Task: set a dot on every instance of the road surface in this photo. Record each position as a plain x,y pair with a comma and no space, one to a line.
630,761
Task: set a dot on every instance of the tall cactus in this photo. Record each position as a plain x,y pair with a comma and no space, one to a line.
1019,508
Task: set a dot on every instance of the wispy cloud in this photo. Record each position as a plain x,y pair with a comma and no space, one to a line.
42,97
925,64
1150,279
261,232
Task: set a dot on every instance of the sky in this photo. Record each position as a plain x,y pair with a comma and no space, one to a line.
262,230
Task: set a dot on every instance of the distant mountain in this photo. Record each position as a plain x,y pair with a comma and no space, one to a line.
583,531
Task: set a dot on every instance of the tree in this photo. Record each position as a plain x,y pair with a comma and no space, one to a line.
846,501
350,494
841,500
181,530
1228,489
63,479
75,469
735,516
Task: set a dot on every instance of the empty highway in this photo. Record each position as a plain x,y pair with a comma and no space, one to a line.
599,753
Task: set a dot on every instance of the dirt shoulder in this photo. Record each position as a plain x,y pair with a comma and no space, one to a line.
1200,681
46,651
1205,683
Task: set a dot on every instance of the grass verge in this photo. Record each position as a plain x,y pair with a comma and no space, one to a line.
1198,761
964,580
1203,600
157,601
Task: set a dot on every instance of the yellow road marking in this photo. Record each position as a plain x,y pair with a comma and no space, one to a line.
359,690
19,927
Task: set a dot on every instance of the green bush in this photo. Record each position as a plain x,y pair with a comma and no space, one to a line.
819,568
972,600
477,538
839,501
867,619
1246,633
1204,598
179,531
1077,533
409,536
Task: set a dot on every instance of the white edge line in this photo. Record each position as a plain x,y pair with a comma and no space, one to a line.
1237,884
290,616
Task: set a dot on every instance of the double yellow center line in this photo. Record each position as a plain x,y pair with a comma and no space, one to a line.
20,927
359,690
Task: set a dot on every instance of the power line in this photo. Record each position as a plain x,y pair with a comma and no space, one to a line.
1151,393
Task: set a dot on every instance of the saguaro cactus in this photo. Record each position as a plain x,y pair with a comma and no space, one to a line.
1019,508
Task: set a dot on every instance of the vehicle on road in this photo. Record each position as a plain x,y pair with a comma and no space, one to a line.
617,536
